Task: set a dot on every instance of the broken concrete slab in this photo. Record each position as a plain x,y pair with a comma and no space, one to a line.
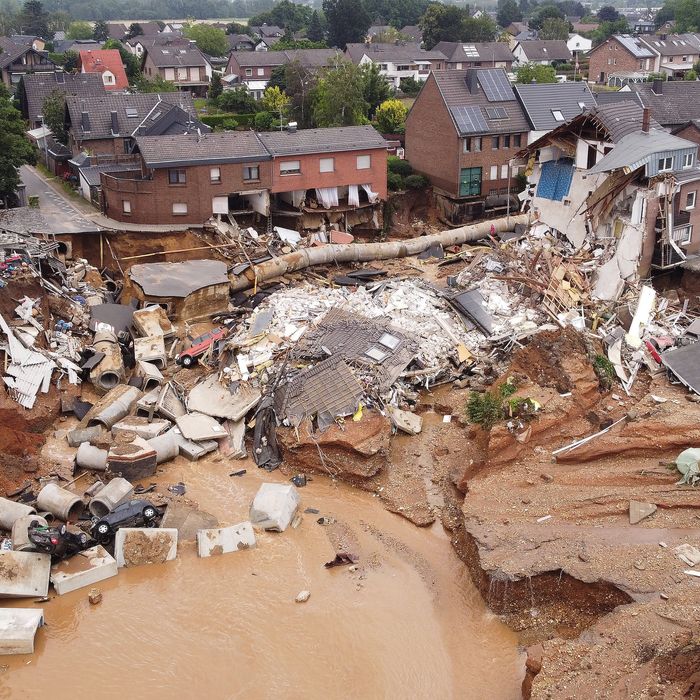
640,510
153,320
135,546
187,521
233,445
24,574
223,540
215,399
133,460
84,569
151,349
18,628
197,426
688,554
141,426
194,450
274,507
405,421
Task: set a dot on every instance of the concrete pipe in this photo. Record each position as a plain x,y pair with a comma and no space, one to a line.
49,517
166,446
11,511
90,457
20,538
117,491
84,435
109,372
65,505
115,406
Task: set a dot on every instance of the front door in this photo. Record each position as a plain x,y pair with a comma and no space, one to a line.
470,182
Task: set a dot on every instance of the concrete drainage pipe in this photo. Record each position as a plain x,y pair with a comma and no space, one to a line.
109,372
64,504
166,446
107,499
11,511
90,457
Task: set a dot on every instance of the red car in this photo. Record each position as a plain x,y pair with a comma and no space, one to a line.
199,345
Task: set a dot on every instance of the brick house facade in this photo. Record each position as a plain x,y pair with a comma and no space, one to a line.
460,139
185,66
619,54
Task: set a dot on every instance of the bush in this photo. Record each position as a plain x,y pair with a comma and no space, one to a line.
691,75
416,182
229,124
410,86
219,120
398,166
394,181
238,100
605,371
263,121
485,409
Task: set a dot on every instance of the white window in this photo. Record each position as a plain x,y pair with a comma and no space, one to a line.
261,71
326,165
494,172
126,206
251,172
683,234
504,172
688,160
557,114
364,162
219,205
290,167
215,174
690,200
249,71
665,164
180,208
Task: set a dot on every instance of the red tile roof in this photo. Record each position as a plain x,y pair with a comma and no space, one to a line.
102,61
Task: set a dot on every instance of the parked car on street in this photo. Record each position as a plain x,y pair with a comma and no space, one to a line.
136,513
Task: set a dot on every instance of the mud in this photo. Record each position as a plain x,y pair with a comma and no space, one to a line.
140,548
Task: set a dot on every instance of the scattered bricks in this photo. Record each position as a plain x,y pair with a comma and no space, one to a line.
95,596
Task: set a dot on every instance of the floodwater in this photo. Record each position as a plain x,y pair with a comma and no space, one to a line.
408,623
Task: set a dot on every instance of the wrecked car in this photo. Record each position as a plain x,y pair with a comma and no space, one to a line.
199,346
136,513
59,542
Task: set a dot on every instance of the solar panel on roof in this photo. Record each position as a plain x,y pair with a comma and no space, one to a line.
496,112
495,85
469,120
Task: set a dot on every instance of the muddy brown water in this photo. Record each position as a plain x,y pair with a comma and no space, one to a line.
408,623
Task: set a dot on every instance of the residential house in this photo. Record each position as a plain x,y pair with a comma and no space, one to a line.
18,60
107,63
549,105
676,53
612,178
311,179
185,66
397,61
584,27
106,126
267,31
117,30
672,103
643,26
412,33
253,69
76,45
377,30
578,45
268,43
240,42
620,60
36,87
139,44
690,131
545,53
36,42
460,55
462,133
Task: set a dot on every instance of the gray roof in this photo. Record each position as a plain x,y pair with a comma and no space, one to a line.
307,57
343,138
455,91
76,45
635,149
38,86
541,98
169,38
178,55
673,44
486,51
552,50
678,102
392,52
621,119
607,97
131,111
268,30
91,173
634,45
222,147
11,51
413,31
178,279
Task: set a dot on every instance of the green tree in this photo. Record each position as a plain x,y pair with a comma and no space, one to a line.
478,28
339,98
236,28
685,14
691,75
210,40
375,88
410,86
54,112
155,84
34,19
441,23
275,101
534,72
542,13
132,64
348,21
15,148
278,78
608,13
315,30
79,30
508,11
391,117
300,85
59,21
289,15
239,101
554,28
100,31
135,29
70,61
287,42
606,29
215,86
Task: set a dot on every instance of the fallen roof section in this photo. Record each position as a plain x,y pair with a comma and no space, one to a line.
684,362
178,279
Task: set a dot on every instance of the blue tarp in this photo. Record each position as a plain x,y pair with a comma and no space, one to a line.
555,180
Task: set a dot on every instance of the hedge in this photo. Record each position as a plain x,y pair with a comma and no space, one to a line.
217,120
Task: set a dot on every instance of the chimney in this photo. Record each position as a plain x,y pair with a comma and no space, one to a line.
645,120
472,81
85,121
292,127
115,123
657,87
